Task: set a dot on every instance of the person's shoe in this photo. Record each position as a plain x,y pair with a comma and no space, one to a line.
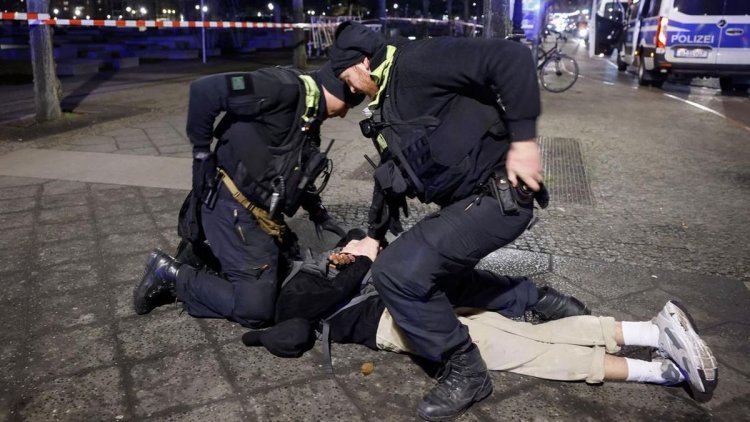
464,381
555,305
670,372
679,341
158,283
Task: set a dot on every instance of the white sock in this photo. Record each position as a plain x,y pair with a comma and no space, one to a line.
642,333
664,372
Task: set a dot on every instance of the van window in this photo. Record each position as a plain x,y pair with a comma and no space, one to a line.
736,7
654,9
700,7
634,10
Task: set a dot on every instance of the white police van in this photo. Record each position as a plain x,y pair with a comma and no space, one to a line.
694,38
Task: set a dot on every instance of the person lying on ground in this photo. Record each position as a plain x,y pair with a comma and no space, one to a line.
572,348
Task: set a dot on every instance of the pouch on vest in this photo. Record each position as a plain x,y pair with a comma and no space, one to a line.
189,225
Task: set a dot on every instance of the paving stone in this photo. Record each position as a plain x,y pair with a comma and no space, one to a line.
65,200
127,224
14,285
728,342
134,144
67,352
166,220
157,334
17,204
10,361
18,219
108,147
724,300
145,151
66,251
169,203
643,306
730,410
225,411
11,181
92,396
108,194
380,397
128,268
125,132
515,262
130,243
58,187
65,231
190,378
15,192
65,215
12,260
66,277
110,210
223,330
612,400
732,385
293,403
12,320
254,368
18,238
181,150
156,192
609,281
91,140
68,311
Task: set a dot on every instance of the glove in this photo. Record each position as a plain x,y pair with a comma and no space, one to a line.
204,173
324,221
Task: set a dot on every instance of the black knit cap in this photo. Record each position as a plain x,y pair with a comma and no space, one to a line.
287,339
336,87
352,43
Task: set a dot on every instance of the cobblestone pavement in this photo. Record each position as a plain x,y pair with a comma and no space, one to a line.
663,217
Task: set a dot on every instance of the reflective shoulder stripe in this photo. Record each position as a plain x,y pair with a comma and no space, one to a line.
381,73
312,97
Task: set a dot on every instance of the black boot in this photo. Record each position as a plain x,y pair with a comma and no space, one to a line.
157,286
464,381
555,305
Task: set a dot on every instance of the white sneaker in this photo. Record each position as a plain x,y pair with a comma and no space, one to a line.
679,341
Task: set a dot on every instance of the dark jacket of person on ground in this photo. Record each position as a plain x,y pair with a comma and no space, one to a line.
265,162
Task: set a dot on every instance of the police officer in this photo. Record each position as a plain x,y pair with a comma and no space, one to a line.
454,121
263,166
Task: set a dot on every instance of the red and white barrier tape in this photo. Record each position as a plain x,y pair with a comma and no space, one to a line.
44,19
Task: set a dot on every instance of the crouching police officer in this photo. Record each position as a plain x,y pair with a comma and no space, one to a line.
263,166
454,121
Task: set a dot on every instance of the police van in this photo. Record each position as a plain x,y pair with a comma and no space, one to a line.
692,38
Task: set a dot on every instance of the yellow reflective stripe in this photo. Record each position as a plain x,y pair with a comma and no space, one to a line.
380,74
312,97
380,140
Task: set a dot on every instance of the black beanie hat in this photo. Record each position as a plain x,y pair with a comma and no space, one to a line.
336,87
352,43
287,339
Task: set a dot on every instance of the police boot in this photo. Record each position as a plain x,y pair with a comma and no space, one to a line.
463,382
157,286
555,305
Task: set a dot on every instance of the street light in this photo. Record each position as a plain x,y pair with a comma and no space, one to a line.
143,10
128,9
270,6
395,5
205,8
55,10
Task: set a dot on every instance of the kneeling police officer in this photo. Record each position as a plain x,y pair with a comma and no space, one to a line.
263,166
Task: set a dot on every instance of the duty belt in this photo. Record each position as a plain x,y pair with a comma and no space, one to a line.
273,227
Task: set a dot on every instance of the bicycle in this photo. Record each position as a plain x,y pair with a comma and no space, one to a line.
557,71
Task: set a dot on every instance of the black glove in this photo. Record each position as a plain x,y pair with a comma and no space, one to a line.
323,221
204,173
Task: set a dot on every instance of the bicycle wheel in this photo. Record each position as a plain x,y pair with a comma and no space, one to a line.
558,73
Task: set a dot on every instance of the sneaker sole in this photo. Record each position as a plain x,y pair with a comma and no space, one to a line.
485,392
707,369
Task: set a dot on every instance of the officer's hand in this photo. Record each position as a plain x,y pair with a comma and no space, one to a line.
368,247
204,171
524,162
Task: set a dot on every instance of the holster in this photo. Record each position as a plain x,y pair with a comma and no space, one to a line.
510,198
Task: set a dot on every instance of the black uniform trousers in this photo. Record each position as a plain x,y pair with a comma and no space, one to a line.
246,288
432,265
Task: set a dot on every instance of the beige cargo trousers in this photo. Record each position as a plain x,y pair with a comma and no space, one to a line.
568,349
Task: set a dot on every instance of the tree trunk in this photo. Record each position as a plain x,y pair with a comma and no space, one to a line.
43,64
496,18
466,11
299,56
